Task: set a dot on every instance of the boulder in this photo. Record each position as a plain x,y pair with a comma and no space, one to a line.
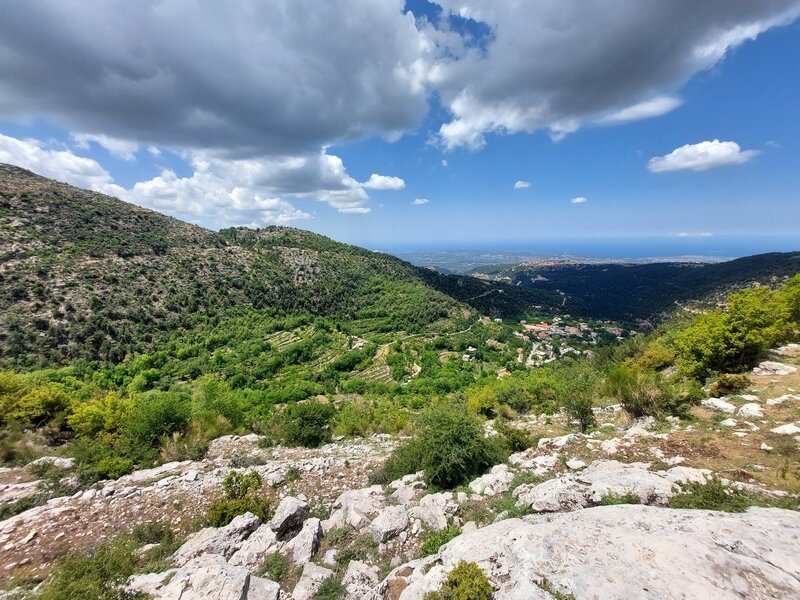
290,514
750,410
598,553
389,523
256,548
209,577
223,540
496,481
600,479
435,510
354,508
302,547
310,581
719,405
56,461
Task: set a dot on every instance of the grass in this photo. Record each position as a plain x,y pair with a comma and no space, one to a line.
331,589
275,567
546,586
613,499
433,540
714,495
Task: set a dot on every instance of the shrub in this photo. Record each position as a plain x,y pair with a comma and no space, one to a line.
241,495
576,394
729,384
364,547
306,424
276,567
711,495
156,414
515,440
103,413
466,582
449,446
614,499
433,540
113,467
30,402
331,589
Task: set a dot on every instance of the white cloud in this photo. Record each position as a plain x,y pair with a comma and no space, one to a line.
56,164
383,182
700,157
419,201
444,162
120,148
562,65
154,150
689,234
579,200
654,107
521,185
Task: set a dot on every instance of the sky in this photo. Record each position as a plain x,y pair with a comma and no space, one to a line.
545,124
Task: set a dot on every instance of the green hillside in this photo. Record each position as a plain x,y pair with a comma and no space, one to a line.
88,277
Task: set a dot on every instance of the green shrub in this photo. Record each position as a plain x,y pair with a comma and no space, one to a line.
433,540
729,384
711,495
156,414
102,413
306,424
97,576
331,589
113,467
241,495
450,446
466,582
276,567
576,394
646,393
614,499
515,440
364,547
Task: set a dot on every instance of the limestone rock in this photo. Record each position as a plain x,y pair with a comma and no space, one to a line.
788,429
750,410
290,514
303,546
435,510
359,580
310,581
209,577
597,553
389,523
719,405
769,367
223,540
355,507
256,548
496,481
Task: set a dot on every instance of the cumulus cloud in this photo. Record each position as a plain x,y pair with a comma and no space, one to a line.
579,200
384,182
700,157
120,148
521,185
419,201
561,65
62,165
279,77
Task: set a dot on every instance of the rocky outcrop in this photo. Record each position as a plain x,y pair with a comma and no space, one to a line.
223,541
601,479
207,577
769,367
623,552
289,515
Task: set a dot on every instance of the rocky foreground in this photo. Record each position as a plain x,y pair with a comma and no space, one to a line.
567,543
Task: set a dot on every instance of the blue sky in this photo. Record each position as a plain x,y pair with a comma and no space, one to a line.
466,111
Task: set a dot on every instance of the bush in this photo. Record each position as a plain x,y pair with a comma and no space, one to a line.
729,384
645,393
156,414
576,394
241,495
614,499
331,589
433,540
515,440
305,424
276,567
449,446
103,413
466,582
711,495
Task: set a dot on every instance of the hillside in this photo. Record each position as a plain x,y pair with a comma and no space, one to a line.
627,292
87,276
